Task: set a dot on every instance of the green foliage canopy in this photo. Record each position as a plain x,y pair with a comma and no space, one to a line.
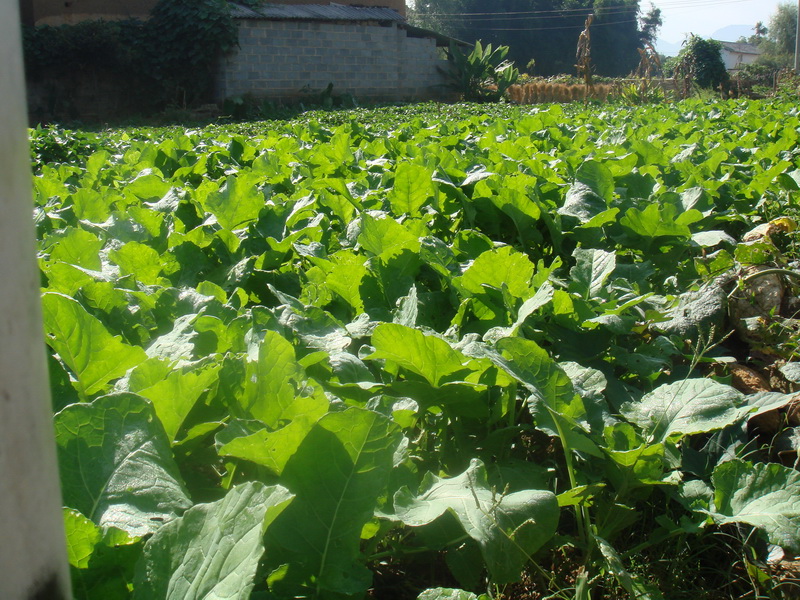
171,55
546,30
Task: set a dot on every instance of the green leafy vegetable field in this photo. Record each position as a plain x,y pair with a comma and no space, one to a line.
432,351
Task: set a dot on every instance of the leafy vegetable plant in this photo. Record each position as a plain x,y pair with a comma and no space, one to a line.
294,360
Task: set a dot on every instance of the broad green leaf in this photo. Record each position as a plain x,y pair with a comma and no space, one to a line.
426,355
509,528
407,309
709,239
634,459
655,221
764,402
582,203
82,537
598,178
685,408
78,247
92,205
173,392
269,381
337,474
346,277
177,345
147,185
495,268
518,205
791,371
116,465
413,187
82,342
529,363
237,202
592,270
272,449
438,255
68,279
582,495
697,198
385,237
213,550
766,496
588,383
139,260
465,562
542,297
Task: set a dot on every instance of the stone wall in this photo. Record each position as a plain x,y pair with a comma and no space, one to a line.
287,60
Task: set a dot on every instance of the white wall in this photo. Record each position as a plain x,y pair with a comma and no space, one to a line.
736,60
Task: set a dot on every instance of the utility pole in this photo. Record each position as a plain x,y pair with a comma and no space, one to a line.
33,563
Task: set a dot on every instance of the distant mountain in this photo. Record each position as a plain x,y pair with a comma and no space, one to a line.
667,48
732,33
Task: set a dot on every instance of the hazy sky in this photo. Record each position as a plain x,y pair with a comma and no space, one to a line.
704,17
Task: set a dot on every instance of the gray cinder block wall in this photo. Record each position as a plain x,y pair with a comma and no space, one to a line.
286,60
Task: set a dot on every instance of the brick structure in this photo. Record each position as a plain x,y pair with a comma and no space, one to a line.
285,53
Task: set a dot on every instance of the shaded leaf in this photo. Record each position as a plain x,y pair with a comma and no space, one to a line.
116,464
337,473
508,528
766,496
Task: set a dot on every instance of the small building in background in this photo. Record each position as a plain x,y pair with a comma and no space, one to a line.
736,55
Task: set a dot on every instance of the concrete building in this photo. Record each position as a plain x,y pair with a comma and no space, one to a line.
735,55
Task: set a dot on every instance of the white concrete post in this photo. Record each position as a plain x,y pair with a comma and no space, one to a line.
33,563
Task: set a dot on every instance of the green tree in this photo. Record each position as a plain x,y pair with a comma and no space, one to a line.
649,24
702,59
546,31
777,41
783,28
615,37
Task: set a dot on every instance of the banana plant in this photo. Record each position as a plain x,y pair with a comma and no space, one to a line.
484,74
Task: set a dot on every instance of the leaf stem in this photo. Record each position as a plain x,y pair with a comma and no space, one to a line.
764,273
581,514
422,550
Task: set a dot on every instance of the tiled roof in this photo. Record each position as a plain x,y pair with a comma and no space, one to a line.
741,48
315,12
